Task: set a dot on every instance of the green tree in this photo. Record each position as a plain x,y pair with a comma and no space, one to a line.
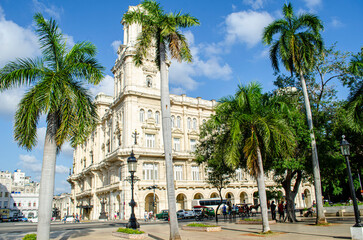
290,171
254,131
56,90
355,100
161,32
211,151
298,43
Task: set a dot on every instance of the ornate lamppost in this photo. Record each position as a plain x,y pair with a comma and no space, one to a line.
356,230
132,165
103,212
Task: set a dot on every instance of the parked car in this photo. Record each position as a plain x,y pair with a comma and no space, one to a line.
33,219
68,218
24,219
186,213
164,214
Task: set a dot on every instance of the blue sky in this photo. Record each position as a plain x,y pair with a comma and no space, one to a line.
227,50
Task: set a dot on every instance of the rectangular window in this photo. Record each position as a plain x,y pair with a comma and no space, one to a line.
150,140
6,194
195,173
193,144
178,172
1,204
5,204
176,144
150,171
1,194
34,204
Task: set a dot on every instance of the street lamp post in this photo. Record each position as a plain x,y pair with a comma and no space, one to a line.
356,230
132,165
344,146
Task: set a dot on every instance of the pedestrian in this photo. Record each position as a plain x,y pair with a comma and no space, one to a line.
224,210
273,210
281,211
146,216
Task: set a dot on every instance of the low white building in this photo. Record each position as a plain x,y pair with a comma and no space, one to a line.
19,193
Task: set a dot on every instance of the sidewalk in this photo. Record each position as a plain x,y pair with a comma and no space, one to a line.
230,230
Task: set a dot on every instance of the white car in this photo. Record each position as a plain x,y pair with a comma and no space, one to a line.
185,213
68,218
33,219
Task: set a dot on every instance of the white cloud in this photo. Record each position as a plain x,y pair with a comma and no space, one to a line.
115,44
106,86
52,10
255,4
205,63
16,41
335,22
246,27
177,91
67,149
181,74
9,100
312,3
61,169
29,162
69,40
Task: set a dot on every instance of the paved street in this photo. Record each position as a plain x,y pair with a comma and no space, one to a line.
340,229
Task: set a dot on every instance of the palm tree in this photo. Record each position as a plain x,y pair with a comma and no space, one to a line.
161,31
255,130
56,90
355,100
298,43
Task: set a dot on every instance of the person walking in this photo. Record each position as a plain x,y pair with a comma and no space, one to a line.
273,210
281,211
224,210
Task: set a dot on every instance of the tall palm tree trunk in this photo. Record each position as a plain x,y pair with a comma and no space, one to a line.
262,192
320,218
46,190
166,121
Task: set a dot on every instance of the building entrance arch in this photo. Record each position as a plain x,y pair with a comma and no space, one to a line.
307,196
214,195
198,196
243,197
181,201
149,203
230,197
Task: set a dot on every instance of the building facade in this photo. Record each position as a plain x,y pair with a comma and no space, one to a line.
62,205
100,164
19,193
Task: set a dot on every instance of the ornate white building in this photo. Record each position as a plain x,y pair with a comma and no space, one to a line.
100,164
19,193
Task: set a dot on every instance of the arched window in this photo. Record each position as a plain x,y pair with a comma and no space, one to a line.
194,123
149,114
142,115
189,123
172,121
149,82
157,117
178,122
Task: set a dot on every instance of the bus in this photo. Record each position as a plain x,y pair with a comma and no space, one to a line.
209,202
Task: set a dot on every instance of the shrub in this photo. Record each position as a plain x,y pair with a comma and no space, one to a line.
251,220
200,225
32,236
129,231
